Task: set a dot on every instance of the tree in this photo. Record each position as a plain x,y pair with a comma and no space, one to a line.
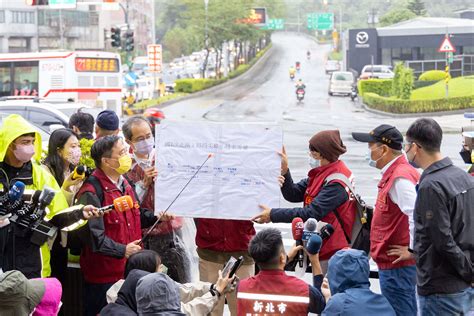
395,16
417,7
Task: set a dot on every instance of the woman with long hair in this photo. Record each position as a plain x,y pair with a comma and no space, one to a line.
63,156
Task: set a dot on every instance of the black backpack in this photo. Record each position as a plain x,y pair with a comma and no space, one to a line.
360,235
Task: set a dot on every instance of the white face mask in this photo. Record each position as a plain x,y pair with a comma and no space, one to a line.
144,147
314,163
372,163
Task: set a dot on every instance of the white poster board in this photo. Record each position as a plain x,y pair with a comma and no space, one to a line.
241,173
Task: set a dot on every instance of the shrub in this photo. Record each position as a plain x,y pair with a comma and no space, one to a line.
420,84
432,75
406,83
240,70
378,86
394,105
396,79
194,85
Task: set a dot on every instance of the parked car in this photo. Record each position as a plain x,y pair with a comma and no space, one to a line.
341,82
377,71
45,133
45,114
331,66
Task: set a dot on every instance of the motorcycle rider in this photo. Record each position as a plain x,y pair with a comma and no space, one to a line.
292,72
308,55
300,86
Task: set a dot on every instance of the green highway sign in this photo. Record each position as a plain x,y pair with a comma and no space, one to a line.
275,24
320,21
62,4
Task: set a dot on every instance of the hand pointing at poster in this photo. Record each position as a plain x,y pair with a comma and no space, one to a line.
263,217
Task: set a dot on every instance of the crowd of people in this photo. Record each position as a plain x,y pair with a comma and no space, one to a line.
421,231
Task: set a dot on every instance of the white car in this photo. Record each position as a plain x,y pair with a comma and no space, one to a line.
341,82
377,71
47,115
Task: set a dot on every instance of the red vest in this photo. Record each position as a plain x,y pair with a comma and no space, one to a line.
224,235
346,211
163,228
120,227
272,292
389,223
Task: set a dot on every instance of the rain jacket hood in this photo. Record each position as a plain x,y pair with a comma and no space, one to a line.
14,126
348,276
350,269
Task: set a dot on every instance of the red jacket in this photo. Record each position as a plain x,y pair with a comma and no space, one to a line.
122,228
346,211
224,235
389,223
272,292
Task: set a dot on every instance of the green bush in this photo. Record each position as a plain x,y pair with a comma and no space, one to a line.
194,85
420,84
406,83
378,86
396,79
432,75
240,70
394,105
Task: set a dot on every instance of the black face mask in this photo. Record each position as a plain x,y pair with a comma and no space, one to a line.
466,156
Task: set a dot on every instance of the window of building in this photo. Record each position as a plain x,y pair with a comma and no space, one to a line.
468,50
2,16
23,17
386,56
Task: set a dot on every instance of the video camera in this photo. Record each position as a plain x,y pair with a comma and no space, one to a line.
26,210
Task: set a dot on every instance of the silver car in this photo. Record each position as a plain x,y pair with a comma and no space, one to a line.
341,82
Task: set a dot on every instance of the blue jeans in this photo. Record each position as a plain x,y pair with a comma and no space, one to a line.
398,286
459,303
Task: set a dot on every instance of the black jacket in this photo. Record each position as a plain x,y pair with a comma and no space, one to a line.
444,229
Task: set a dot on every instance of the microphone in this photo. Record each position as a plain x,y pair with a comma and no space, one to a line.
79,173
314,244
28,207
326,231
309,228
16,191
45,198
121,204
297,231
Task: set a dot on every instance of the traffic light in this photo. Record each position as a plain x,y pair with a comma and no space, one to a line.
115,37
129,42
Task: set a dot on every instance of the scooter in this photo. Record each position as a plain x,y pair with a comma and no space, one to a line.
353,94
298,66
292,76
300,94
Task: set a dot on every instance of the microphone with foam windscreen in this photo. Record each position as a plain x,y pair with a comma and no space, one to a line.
45,198
15,194
297,231
326,231
309,229
314,244
79,173
121,204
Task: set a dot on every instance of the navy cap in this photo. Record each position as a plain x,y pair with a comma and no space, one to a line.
385,134
108,120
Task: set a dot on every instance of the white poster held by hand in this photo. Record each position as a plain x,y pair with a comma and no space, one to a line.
241,173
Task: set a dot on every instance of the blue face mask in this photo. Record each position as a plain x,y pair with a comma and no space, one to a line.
314,163
372,163
412,162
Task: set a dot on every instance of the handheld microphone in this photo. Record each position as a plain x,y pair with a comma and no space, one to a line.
79,173
297,231
15,194
314,244
45,198
326,231
121,204
309,228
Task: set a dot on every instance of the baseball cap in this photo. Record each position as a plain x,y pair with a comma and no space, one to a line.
385,134
108,120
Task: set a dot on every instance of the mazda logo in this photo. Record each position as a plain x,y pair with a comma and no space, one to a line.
362,37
